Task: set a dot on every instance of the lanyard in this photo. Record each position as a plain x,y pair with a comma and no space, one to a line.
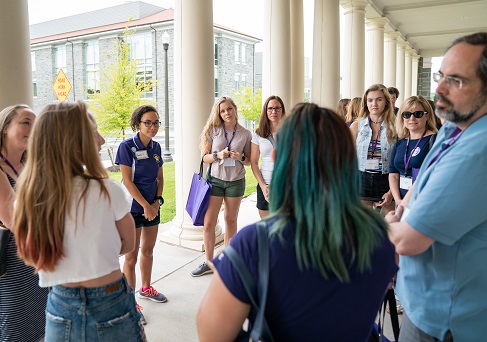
454,136
406,162
233,135
8,163
374,141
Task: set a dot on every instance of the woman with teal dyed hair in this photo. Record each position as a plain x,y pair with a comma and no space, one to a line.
330,257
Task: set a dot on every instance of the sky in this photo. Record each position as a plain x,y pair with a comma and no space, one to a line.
246,16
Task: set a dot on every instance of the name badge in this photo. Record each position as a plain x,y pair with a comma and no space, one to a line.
141,155
372,164
228,162
405,182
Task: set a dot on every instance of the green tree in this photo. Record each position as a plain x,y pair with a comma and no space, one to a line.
121,89
249,102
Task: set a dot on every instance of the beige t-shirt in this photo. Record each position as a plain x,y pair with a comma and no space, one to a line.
240,143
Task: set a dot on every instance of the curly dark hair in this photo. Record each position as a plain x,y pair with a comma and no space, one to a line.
137,115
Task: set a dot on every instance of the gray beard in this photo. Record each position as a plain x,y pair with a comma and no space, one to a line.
456,117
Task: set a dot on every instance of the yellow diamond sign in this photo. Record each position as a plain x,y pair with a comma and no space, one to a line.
61,86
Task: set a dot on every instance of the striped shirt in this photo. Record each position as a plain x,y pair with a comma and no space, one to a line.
22,301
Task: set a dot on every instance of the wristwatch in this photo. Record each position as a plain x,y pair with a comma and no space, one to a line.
159,199
215,157
243,158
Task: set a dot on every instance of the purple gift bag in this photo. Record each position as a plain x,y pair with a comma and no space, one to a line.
199,197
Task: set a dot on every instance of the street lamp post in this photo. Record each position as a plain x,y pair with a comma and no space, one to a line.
166,154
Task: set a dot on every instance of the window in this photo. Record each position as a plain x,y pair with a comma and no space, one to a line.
60,58
237,53
34,87
216,51
141,51
92,67
33,60
242,54
243,80
237,81
216,81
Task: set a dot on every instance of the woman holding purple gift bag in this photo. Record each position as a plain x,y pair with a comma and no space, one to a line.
225,144
416,130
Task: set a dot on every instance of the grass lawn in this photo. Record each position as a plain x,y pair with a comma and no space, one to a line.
169,208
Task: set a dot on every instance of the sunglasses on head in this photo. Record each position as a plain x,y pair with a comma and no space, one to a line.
417,114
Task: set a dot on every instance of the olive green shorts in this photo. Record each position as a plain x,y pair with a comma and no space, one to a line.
227,189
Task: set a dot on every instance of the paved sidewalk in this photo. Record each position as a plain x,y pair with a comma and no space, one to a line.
175,320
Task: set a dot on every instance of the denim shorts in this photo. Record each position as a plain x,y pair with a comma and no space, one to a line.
141,221
262,204
105,313
373,186
227,189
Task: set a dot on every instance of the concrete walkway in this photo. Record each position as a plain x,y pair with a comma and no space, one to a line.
175,320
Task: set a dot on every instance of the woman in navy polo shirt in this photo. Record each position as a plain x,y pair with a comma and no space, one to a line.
416,126
141,166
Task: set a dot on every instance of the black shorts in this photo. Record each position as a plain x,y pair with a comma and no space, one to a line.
262,204
373,186
141,221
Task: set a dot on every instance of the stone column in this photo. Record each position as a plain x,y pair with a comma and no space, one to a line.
297,53
390,53
414,74
374,54
400,65
15,63
276,75
408,72
325,88
194,82
353,78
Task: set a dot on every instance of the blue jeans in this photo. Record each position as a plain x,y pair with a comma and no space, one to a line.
105,313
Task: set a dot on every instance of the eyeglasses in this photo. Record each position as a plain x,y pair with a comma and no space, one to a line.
456,82
417,114
150,123
272,109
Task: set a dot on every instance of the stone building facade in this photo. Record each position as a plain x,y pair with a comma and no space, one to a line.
86,49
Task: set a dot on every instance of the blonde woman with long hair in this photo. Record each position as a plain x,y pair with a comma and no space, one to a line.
225,144
353,110
375,135
72,222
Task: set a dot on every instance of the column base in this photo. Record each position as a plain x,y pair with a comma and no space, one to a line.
187,235
166,156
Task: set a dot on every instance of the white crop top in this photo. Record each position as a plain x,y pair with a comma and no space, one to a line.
91,242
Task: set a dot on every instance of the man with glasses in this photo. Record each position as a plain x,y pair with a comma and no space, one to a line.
442,234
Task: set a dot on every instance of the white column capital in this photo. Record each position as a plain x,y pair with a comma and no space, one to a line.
401,44
376,23
392,35
416,57
353,5
410,51
427,62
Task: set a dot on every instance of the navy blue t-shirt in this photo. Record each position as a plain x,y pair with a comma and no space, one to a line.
145,167
304,306
397,165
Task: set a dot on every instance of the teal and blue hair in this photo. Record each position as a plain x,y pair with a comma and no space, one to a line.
316,184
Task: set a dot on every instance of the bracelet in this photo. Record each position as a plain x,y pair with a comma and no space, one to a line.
243,158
